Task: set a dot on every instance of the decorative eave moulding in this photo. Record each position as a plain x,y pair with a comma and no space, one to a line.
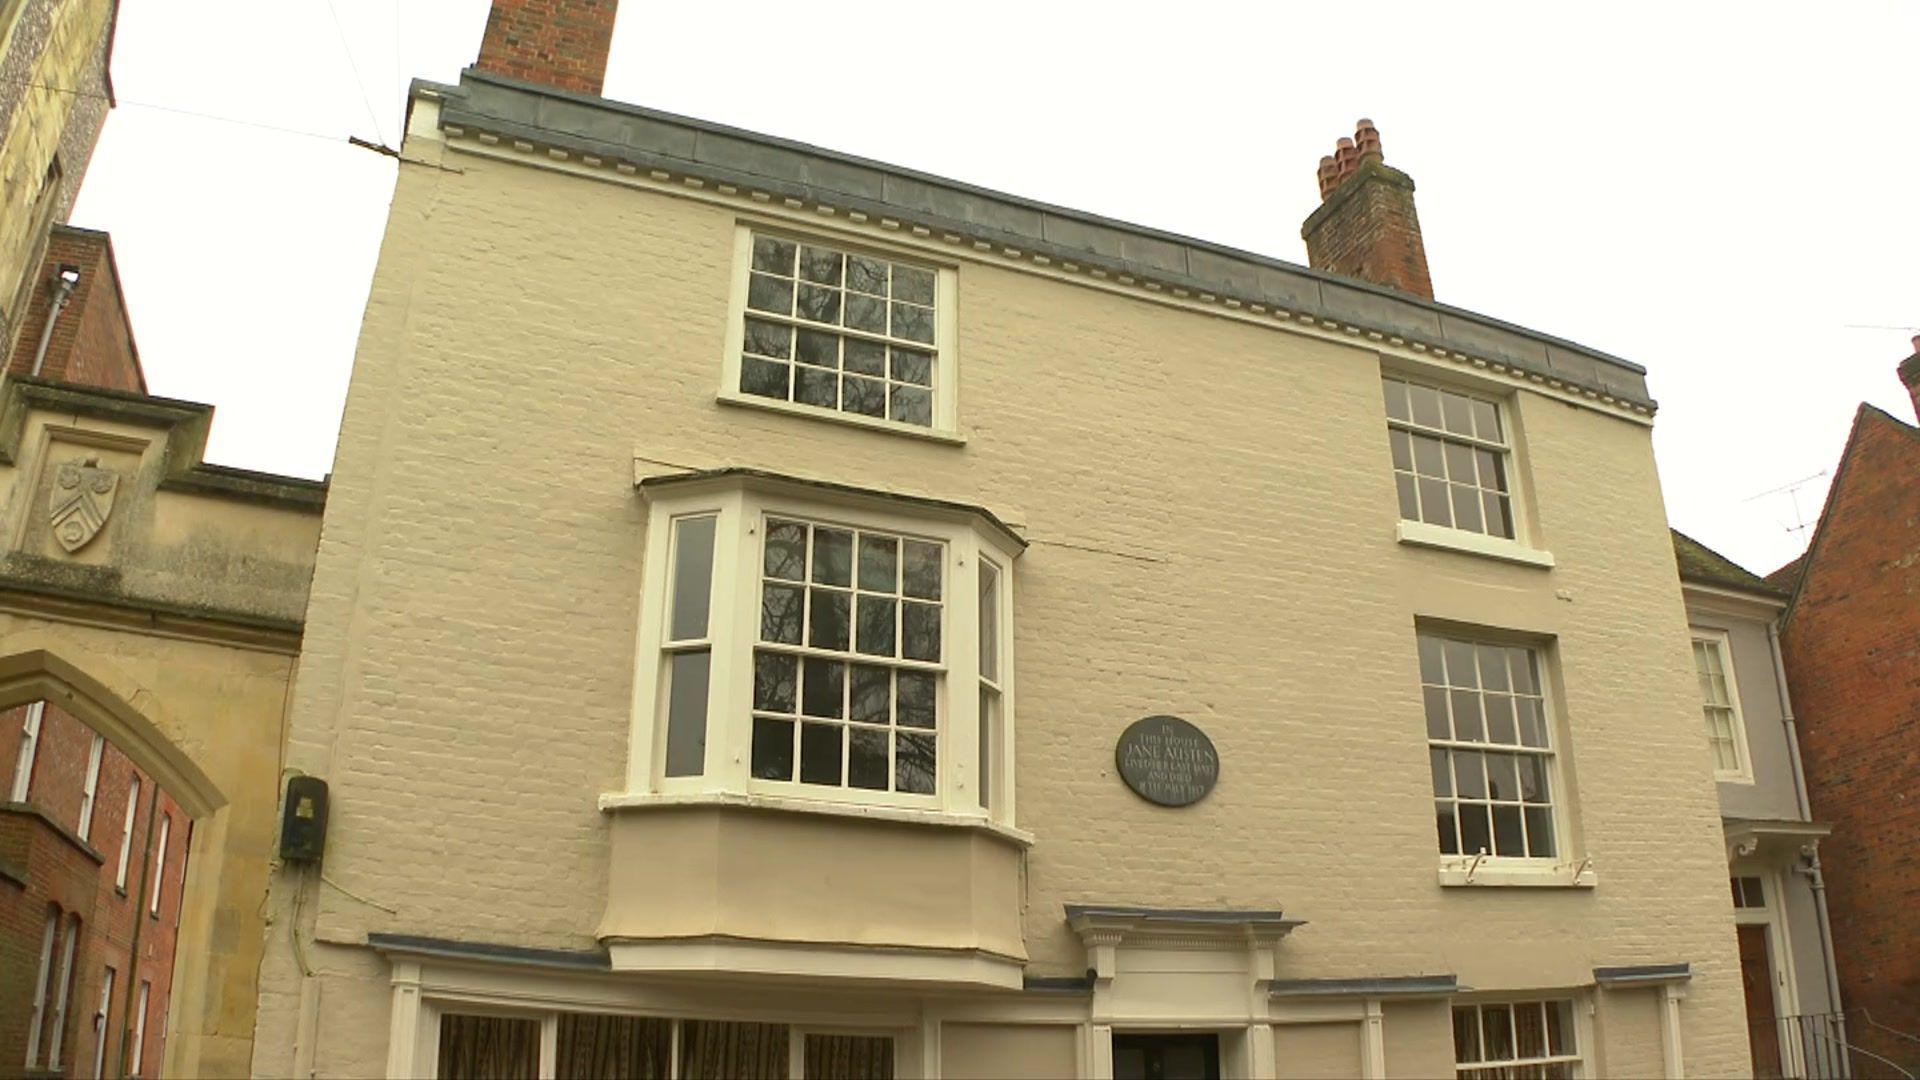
982,247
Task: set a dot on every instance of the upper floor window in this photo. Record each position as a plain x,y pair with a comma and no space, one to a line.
1451,458
1720,701
859,335
1490,747
1515,1038
848,649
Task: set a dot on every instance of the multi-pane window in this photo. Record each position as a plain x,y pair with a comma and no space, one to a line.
159,864
1450,458
126,834
29,742
654,1048
1717,702
844,648
990,691
91,788
1490,748
847,667
1515,1040
839,330
689,649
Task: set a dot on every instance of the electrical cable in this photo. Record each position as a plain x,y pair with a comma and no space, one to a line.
122,101
366,99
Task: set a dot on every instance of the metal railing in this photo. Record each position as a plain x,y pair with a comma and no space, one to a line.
1829,1046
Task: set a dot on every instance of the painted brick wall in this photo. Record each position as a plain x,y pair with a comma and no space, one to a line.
1213,515
1852,650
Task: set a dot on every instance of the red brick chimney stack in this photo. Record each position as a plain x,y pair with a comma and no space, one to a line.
1910,375
1366,226
557,43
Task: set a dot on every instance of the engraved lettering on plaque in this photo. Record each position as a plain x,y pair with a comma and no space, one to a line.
1166,760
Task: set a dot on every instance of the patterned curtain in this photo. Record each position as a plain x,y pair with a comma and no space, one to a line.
849,1057
716,1050
597,1047
489,1048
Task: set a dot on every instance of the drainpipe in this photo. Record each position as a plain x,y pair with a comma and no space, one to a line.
1815,879
63,284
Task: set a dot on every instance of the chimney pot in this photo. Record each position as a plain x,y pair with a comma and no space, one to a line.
1909,372
1374,236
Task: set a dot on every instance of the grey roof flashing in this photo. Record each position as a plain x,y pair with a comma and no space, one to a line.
946,506
649,139
1399,986
1220,916
418,945
1642,975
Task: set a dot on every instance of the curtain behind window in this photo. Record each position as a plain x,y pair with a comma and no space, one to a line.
489,1048
716,1050
849,1057
599,1047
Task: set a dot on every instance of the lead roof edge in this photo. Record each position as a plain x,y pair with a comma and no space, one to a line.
650,140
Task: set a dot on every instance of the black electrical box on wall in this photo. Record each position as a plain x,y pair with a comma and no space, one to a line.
303,827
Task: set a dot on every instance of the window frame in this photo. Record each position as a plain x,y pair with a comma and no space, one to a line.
90,790
1722,643
945,419
434,1010
741,506
1566,866
1577,1026
30,725
160,864
102,1020
140,1028
37,1016
126,835
1504,449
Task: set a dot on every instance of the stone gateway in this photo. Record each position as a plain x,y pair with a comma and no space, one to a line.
1166,760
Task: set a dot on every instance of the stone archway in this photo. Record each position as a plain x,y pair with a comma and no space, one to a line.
203,720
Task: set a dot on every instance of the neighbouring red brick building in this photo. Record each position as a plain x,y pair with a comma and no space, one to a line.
92,339
93,859
1851,643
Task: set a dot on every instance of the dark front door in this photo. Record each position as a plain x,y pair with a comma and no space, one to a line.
1756,972
1166,1057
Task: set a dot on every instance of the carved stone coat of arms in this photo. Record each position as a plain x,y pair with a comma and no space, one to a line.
82,498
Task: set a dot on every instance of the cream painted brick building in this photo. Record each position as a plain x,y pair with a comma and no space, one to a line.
550,799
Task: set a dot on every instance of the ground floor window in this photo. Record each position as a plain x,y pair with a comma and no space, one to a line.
1515,1040
601,1046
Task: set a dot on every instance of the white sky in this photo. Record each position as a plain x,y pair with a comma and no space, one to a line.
1717,192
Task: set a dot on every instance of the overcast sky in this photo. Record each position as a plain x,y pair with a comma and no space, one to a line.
1722,193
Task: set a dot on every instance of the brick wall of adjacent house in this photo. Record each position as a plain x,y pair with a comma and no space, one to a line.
1852,651
111,917
92,341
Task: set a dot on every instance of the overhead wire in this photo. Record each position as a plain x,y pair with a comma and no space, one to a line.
121,101
346,49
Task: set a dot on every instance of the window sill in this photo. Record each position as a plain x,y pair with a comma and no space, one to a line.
749,401
1421,534
1456,872
638,800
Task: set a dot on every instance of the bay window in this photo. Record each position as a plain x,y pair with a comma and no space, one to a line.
803,641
